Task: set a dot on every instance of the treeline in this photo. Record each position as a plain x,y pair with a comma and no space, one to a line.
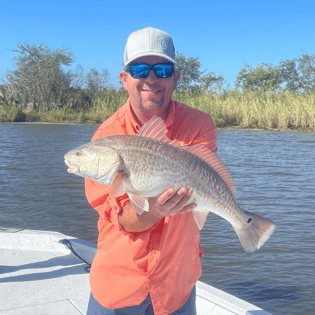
40,88
234,109
39,80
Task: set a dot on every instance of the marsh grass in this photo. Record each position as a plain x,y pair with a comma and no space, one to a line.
12,114
256,110
232,110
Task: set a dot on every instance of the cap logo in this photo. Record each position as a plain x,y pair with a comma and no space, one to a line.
163,42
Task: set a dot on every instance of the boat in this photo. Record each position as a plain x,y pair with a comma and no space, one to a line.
44,272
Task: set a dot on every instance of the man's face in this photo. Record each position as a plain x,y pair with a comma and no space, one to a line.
151,93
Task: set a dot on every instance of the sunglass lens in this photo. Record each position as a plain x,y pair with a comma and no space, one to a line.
163,70
140,70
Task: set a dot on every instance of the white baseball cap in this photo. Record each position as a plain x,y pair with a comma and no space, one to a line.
149,41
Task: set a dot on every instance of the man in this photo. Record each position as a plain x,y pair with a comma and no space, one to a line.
148,263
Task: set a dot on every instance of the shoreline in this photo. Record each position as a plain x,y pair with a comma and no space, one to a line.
248,110
43,123
218,128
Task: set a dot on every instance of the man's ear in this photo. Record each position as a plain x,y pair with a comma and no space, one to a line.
123,78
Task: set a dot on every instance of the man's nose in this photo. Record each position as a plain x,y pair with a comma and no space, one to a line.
152,76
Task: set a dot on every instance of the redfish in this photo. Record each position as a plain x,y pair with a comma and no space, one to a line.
146,164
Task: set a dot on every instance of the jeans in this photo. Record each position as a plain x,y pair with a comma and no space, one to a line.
145,308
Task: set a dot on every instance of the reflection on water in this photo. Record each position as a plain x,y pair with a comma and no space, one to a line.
274,176
266,293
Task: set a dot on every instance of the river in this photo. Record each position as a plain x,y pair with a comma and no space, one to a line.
274,173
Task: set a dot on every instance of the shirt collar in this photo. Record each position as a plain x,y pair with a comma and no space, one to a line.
131,118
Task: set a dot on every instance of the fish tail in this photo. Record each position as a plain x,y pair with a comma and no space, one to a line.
255,232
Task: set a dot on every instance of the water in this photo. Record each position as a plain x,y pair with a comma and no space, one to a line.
274,174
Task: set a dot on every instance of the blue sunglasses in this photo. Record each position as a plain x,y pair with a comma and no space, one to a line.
142,70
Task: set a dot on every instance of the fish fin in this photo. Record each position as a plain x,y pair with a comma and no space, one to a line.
255,232
117,187
156,129
200,218
213,160
138,203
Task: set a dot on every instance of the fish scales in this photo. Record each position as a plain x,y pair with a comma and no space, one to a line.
147,164
151,162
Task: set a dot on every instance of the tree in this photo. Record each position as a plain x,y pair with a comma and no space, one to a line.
97,81
190,75
78,98
307,70
212,82
290,74
299,73
38,77
264,77
8,98
78,79
194,80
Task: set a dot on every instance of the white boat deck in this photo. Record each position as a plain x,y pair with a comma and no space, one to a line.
40,275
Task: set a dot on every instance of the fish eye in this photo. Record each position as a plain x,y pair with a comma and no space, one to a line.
78,153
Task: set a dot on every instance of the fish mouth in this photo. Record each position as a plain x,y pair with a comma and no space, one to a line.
72,168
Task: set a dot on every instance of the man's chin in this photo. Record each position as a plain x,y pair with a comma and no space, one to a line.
152,105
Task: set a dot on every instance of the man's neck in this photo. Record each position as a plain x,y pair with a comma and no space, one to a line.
143,117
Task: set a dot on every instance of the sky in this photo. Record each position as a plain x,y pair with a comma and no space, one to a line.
223,34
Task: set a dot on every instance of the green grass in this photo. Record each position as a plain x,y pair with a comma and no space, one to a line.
256,110
234,110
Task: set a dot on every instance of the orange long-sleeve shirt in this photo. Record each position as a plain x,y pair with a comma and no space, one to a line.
163,260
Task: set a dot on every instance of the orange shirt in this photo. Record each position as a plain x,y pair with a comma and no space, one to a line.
163,260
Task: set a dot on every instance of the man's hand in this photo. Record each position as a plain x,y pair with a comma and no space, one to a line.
167,204
171,202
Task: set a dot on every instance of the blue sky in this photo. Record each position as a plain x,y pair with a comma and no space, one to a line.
223,34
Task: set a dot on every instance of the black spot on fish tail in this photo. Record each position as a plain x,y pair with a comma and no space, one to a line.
255,232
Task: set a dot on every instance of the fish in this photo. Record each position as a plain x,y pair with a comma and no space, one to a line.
146,164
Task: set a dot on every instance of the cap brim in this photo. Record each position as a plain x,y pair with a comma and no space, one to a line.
153,53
